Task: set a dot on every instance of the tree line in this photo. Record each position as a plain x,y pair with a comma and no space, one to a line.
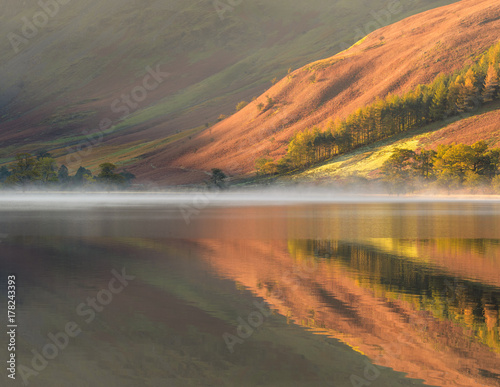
449,167
447,96
42,171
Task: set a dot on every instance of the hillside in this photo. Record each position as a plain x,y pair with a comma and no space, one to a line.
393,59
75,66
366,161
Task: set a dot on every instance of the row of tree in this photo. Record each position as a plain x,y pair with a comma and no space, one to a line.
42,171
448,95
449,167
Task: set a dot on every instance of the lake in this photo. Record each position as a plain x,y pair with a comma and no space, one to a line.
234,290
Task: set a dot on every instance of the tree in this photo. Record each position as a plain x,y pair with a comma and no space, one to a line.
270,102
397,170
23,171
265,166
4,173
269,168
45,168
128,176
491,84
455,160
330,142
217,177
490,167
438,104
63,174
453,163
474,180
344,138
448,179
424,163
42,153
469,94
453,95
301,150
81,176
108,176
284,165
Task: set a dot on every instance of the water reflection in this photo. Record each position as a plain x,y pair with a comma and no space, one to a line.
426,286
414,287
401,312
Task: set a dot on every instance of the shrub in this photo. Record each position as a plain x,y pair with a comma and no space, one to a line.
241,105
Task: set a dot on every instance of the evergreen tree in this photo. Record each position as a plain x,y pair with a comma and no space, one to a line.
453,97
63,174
438,104
81,176
4,173
330,143
491,84
344,138
468,93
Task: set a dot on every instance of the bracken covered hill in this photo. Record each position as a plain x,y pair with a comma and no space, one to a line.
393,59
65,64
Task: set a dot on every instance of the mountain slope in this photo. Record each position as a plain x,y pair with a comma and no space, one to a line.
393,59
63,74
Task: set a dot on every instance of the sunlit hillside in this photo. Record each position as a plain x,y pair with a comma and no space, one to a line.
131,77
391,60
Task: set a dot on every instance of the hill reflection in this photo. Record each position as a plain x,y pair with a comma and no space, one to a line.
422,317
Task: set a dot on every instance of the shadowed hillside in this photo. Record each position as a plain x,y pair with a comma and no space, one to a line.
131,76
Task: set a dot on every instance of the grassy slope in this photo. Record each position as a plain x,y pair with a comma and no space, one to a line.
393,59
367,160
91,52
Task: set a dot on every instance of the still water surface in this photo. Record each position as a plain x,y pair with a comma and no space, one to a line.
342,294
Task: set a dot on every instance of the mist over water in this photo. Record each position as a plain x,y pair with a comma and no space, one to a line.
207,198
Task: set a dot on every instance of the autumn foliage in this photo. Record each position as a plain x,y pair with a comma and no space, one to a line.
447,96
450,167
